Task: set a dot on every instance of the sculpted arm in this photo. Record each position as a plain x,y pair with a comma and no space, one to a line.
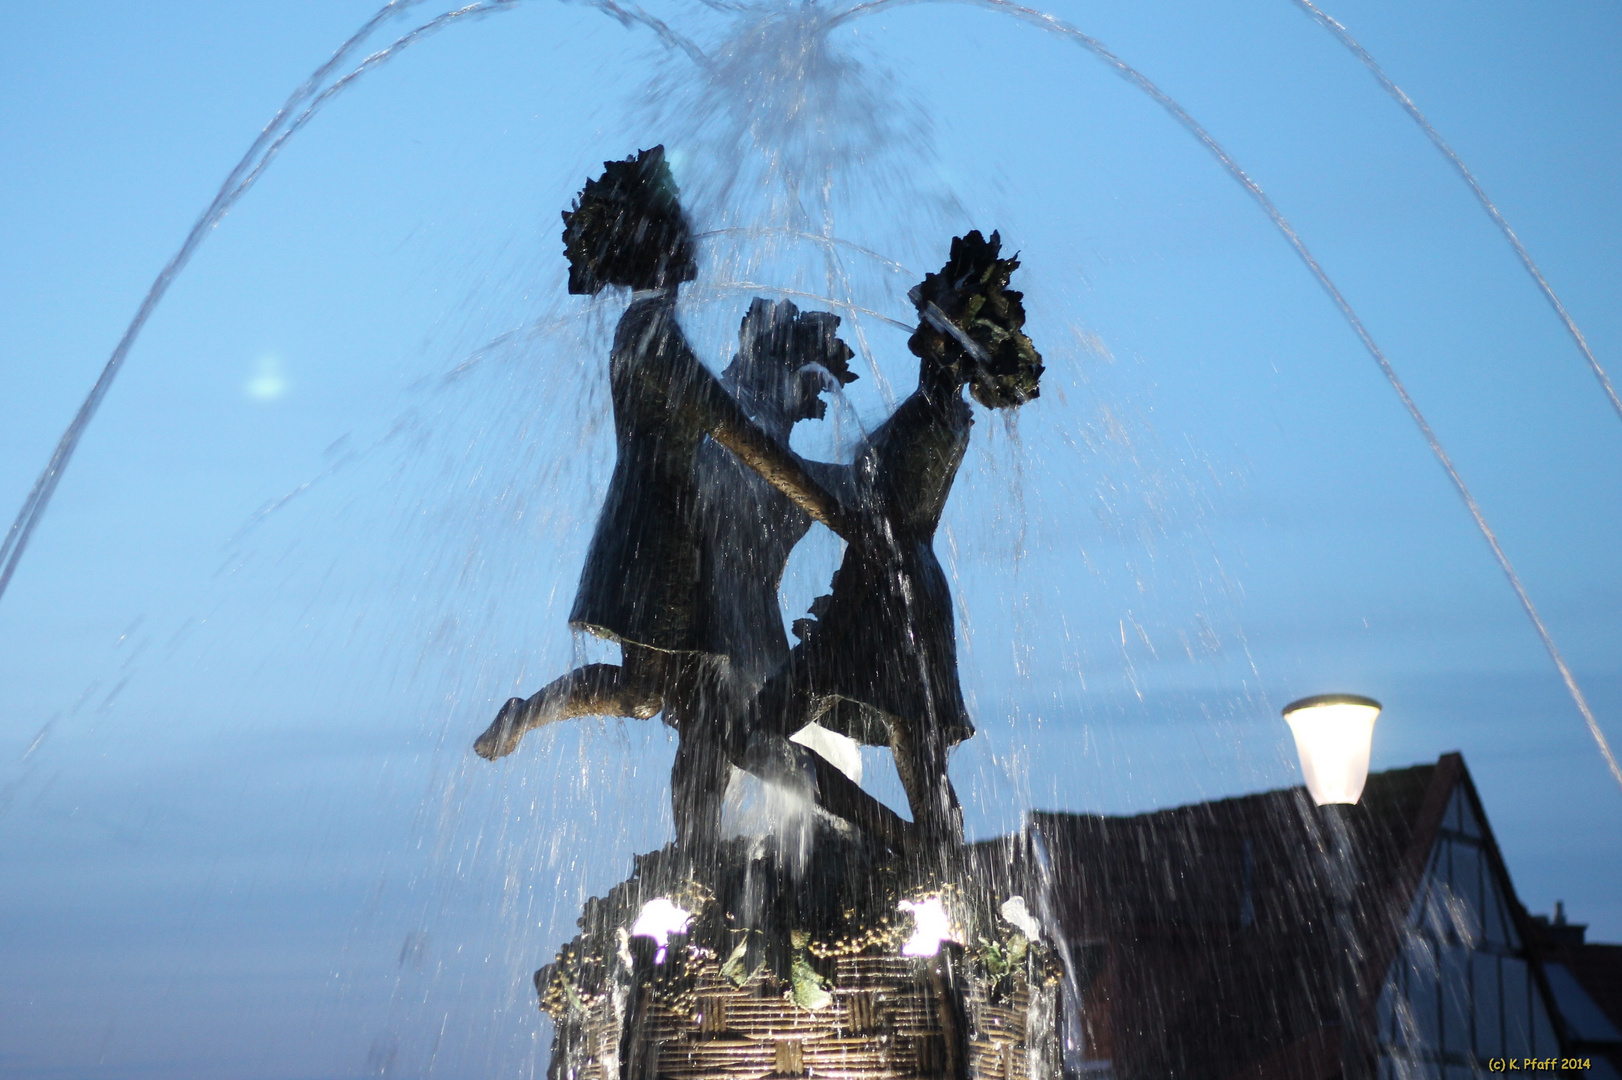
728,425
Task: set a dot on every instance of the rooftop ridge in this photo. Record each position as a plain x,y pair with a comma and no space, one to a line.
1298,789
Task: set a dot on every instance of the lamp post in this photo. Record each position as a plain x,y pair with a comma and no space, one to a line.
1333,734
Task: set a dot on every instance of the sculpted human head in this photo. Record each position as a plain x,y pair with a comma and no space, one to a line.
787,357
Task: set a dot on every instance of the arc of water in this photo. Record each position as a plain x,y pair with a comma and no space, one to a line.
839,279
740,285
1397,94
296,111
236,183
635,16
1132,75
40,496
829,242
375,59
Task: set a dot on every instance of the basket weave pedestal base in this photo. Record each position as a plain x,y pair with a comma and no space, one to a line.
752,999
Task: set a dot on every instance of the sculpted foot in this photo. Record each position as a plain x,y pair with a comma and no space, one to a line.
501,737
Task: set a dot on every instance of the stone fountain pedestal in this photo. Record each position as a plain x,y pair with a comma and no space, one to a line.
801,968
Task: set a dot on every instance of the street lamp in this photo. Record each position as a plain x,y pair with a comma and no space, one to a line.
1333,734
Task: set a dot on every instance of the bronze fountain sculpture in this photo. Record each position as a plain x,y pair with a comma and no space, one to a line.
883,950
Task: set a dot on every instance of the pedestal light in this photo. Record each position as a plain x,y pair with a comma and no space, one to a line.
1333,734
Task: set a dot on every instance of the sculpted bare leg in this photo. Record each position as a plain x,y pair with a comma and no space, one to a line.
633,688
920,762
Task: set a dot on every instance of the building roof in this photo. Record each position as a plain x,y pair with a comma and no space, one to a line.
1202,935
1586,980
1598,969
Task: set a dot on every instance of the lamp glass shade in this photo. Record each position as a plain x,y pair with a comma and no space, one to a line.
1333,735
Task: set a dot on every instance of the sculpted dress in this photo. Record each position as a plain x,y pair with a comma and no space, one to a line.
642,582
641,577
879,662
883,649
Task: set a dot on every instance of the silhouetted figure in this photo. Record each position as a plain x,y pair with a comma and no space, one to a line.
878,662
747,529
641,584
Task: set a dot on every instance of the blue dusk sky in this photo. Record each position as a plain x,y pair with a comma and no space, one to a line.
333,511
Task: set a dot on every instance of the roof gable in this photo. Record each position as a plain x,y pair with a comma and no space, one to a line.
1461,987
1207,927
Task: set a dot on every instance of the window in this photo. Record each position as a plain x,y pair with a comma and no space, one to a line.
1460,990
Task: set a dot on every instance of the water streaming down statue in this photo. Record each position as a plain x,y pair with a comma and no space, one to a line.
878,660
747,530
705,504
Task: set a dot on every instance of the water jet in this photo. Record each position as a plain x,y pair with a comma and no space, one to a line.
1041,738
